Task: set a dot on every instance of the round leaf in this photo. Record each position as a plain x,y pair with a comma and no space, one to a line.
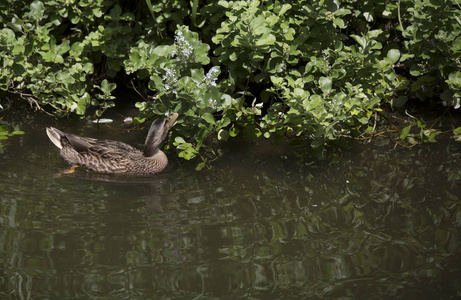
208,118
393,55
325,84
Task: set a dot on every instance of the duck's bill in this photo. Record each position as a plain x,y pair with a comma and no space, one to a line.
172,119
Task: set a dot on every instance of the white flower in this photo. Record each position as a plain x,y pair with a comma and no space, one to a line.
170,79
213,103
210,77
184,50
73,106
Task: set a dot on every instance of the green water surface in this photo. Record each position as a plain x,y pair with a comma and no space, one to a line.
264,223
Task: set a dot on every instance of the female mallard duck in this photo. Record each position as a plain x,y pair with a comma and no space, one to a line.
115,157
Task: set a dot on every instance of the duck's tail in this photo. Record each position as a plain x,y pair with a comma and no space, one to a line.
55,136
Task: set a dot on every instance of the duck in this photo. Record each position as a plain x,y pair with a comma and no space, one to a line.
107,156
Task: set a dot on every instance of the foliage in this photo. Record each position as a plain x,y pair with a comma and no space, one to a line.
457,134
176,72
316,70
5,133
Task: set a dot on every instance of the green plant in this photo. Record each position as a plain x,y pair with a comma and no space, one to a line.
425,134
176,74
104,101
314,70
431,33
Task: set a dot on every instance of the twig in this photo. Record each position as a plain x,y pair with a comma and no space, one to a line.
132,84
374,127
31,99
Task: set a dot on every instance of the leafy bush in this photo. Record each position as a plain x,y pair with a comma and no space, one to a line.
317,70
176,72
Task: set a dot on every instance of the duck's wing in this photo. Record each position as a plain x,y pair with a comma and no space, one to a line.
106,149
87,145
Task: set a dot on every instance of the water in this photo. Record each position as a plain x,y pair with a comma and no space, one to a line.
264,223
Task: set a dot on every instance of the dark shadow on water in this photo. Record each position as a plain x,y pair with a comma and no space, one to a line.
152,184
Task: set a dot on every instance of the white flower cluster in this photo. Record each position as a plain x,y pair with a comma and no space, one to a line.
184,50
170,80
211,77
213,103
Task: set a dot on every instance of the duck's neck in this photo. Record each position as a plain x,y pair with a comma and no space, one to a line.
151,148
153,140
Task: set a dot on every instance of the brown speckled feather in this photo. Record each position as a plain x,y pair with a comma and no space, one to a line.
112,156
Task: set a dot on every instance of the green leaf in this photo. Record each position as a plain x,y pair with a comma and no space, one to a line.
76,49
63,47
17,132
374,33
208,118
179,140
360,39
223,135
163,50
339,22
364,120
188,153
406,56
16,24
266,40
456,45
454,80
18,49
18,69
277,81
393,55
368,16
37,8
342,12
224,122
284,9
325,84
107,87
97,12
197,75
233,131
138,120
405,131
200,165
415,70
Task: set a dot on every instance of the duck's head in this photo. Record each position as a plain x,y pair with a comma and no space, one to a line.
157,133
